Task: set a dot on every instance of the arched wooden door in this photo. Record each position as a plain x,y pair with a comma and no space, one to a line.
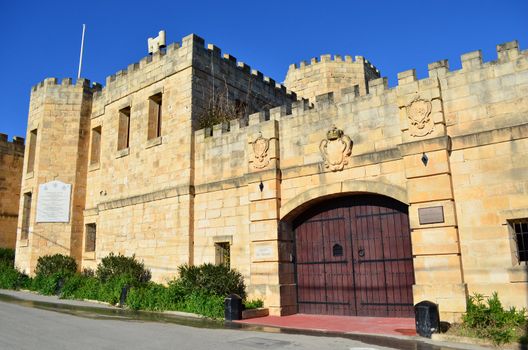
353,257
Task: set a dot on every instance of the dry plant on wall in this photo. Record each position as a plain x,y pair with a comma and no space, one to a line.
221,108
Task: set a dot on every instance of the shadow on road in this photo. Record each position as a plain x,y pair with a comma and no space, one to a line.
110,313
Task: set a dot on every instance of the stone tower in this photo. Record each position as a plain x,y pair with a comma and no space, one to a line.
324,75
58,128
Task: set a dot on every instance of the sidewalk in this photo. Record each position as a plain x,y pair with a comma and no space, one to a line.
33,297
345,324
396,333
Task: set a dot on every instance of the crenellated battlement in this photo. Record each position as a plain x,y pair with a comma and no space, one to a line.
333,58
215,51
472,61
506,52
293,109
14,147
67,82
192,50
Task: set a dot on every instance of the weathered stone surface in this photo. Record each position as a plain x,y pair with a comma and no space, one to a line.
172,199
11,163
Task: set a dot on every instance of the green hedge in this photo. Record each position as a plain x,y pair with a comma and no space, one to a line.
11,278
7,255
56,266
199,289
116,266
212,279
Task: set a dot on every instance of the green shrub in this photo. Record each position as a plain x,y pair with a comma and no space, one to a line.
58,264
112,288
81,287
86,287
46,285
203,304
152,296
7,255
488,319
212,279
253,304
117,266
10,277
87,272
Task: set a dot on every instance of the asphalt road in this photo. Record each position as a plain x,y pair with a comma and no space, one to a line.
23,327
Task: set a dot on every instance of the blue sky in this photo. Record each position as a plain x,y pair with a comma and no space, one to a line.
42,38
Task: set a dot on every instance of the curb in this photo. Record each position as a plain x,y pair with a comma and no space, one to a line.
399,342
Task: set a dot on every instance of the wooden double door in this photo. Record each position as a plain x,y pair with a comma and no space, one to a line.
353,257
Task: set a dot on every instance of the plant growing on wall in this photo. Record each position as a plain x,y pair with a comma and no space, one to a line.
222,104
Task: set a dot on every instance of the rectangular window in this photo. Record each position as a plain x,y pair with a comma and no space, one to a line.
520,235
96,145
154,117
123,137
240,108
91,231
32,150
222,253
26,212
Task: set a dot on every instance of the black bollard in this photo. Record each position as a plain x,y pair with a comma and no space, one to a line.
123,296
233,307
427,318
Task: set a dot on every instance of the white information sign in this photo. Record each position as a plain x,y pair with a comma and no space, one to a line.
264,252
53,203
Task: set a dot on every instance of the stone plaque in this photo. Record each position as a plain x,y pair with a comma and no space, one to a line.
431,215
53,203
264,252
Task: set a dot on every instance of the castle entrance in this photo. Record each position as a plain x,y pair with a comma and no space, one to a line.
353,257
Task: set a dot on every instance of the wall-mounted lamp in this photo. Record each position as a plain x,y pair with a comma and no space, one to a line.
261,186
425,159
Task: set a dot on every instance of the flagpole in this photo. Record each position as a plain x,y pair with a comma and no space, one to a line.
81,55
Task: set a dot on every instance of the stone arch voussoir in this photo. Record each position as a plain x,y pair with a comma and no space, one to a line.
302,201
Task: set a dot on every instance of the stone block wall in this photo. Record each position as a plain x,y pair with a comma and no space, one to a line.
131,187
454,141
387,158
11,163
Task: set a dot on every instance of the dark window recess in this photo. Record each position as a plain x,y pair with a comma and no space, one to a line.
154,115
91,232
26,212
123,134
337,250
222,253
96,145
32,150
521,239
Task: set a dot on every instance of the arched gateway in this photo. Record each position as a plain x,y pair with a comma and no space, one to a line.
353,257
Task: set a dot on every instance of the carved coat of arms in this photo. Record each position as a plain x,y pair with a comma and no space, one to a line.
419,114
260,152
336,149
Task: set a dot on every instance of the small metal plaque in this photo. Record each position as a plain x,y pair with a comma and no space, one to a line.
431,215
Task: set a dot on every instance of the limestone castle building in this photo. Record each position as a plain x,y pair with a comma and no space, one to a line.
11,163
332,194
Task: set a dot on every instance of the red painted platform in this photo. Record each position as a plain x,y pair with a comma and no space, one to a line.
345,324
